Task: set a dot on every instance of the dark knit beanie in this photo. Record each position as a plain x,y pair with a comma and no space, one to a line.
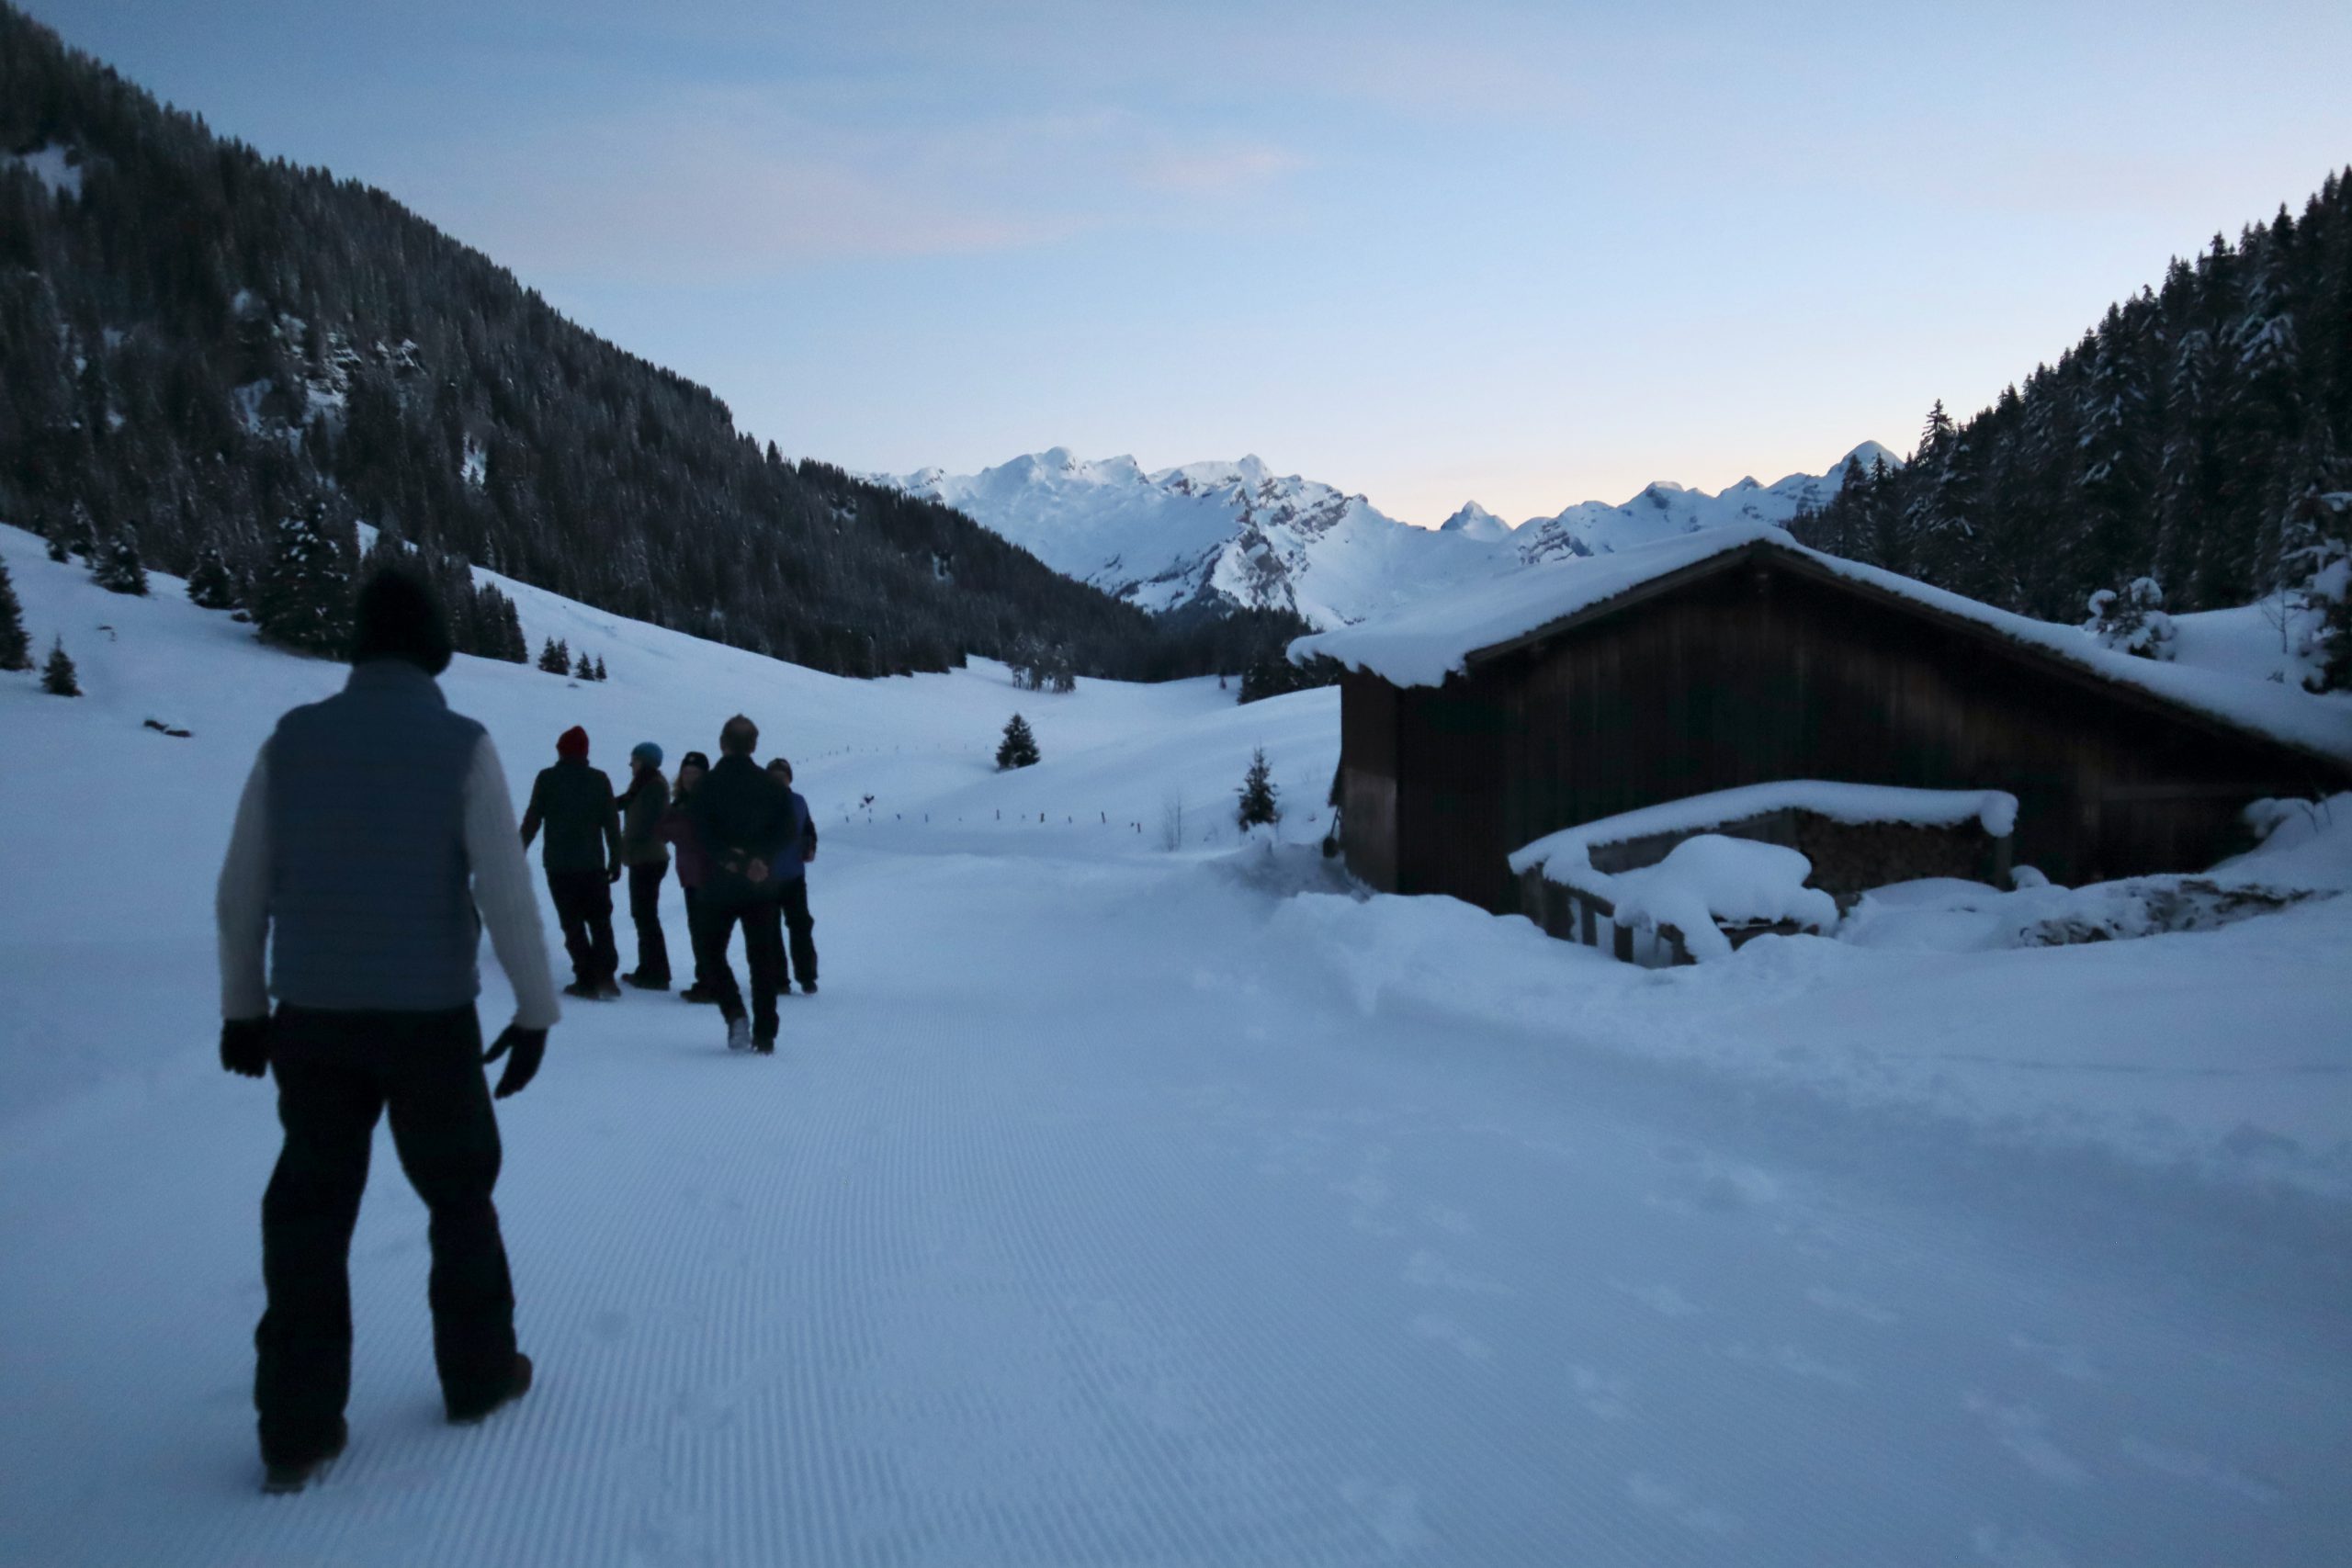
397,616
694,759
572,742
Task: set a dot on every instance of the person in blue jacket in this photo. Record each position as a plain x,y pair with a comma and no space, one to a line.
792,887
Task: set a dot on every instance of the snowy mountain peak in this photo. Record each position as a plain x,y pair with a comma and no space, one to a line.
1473,521
1238,534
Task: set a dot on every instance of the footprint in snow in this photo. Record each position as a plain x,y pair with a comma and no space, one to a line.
1852,1306
1663,1300
2183,1466
1656,1494
2018,1427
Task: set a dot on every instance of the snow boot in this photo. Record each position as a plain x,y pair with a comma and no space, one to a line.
518,1384
695,993
608,989
283,1480
809,987
642,983
764,1046
738,1033
584,989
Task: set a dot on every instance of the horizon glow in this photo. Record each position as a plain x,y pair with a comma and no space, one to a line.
1525,254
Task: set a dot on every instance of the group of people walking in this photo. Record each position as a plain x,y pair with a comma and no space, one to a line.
374,842
743,838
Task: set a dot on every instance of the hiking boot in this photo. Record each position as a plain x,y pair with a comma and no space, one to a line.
608,989
809,986
695,993
642,983
284,1479
738,1034
518,1384
765,1045
586,990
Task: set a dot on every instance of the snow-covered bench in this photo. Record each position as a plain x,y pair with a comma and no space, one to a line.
1704,875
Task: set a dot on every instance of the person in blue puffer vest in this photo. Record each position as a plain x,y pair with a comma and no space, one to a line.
372,829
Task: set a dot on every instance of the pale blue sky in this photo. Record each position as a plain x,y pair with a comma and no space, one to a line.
1530,254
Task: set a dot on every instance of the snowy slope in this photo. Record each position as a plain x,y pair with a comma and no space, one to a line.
1240,533
1119,1205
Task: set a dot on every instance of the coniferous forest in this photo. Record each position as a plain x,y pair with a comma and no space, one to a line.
216,357
2200,436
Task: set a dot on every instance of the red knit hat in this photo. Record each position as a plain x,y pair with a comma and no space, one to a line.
572,742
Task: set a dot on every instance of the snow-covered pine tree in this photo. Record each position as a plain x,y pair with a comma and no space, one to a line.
305,595
2132,620
1019,746
118,568
209,584
517,649
15,647
57,677
554,658
1258,804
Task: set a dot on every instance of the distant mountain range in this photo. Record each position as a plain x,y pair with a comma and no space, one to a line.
1236,535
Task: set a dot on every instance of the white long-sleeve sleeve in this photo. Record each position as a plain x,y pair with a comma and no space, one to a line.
503,891
241,902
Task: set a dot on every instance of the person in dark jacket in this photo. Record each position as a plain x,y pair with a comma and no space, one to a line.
792,889
647,855
678,832
373,827
745,824
582,857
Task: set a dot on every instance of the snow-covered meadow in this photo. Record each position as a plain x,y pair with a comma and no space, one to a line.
1122,1204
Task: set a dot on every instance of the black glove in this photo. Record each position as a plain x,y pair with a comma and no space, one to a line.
528,1046
244,1045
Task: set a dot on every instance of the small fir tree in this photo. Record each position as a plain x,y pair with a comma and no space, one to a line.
1259,803
57,677
15,647
305,596
517,647
118,569
584,671
554,658
1019,748
600,667
209,584
2133,620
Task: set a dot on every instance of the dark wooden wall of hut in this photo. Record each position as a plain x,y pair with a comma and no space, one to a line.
1766,671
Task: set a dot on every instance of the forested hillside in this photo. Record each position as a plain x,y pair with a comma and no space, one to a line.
2201,435
198,344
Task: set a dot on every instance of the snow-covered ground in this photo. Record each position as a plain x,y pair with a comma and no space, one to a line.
1121,1204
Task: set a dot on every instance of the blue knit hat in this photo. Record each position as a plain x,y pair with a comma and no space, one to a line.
647,753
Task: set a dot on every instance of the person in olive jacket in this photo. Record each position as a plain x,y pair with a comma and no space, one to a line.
574,803
746,825
647,855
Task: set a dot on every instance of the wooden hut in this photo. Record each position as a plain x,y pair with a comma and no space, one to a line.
1477,723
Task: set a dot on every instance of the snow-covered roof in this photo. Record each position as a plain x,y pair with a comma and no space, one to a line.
1564,858
1707,877
1423,644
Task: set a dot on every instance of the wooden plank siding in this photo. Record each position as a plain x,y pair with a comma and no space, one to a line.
1770,669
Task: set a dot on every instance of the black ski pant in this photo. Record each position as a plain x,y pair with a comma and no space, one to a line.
697,913
583,905
645,909
761,918
800,926
336,1072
